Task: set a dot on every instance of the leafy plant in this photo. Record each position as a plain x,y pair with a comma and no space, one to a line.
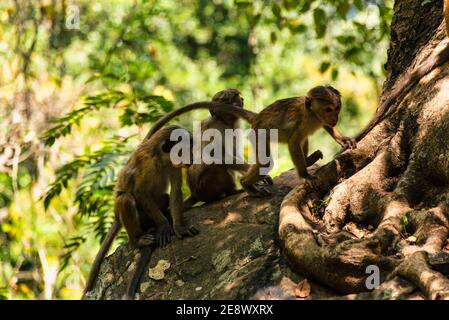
3,293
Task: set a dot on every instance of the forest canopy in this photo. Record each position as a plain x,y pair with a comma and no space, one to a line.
82,82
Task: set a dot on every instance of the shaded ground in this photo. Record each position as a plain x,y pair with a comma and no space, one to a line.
236,256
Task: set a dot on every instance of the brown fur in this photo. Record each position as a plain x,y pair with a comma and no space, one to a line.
295,118
141,202
211,182
446,15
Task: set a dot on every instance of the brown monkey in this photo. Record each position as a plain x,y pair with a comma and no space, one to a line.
141,198
211,182
295,119
404,85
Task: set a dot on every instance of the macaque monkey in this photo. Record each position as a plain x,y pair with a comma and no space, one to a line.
141,200
295,119
211,182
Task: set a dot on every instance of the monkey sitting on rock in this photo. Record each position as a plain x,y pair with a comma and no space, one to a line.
141,200
212,182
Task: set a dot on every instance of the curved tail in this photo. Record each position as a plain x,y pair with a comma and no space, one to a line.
208,105
112,233
404,86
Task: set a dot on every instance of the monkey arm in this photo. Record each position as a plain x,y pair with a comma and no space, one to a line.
176,197
340,139
177,206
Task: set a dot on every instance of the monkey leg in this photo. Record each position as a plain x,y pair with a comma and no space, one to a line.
126,211
189,202
214,183
148,225
253,175
314,157
163,229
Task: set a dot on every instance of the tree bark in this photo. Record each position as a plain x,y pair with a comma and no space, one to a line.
387,201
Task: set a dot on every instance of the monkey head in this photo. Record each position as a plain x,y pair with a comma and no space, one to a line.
180,141
228,96
325,104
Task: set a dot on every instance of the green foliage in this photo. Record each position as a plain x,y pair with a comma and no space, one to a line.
129,103
94,194
404,222
3,293
90,93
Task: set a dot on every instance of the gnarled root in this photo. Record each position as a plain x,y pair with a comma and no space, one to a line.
385,206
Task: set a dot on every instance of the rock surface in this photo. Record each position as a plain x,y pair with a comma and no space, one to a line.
235,256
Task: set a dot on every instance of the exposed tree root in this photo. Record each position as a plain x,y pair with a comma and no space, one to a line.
416,269
377,201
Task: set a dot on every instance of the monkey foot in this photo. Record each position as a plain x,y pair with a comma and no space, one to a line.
268,180
146,240
163,235
314,157
257,191
184,231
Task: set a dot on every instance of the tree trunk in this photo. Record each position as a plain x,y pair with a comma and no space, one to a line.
383,206
386,203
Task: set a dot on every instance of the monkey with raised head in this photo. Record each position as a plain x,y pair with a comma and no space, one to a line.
212,182
295,119
141,199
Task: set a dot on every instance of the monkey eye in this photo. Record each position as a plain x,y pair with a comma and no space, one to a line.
328,110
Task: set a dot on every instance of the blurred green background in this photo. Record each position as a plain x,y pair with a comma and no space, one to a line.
81,81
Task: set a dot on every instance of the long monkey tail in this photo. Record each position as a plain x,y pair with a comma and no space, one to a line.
140,268
112,233
404,86
208,105
446,15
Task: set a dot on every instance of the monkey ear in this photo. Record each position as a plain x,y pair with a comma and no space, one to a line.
308,102
168,145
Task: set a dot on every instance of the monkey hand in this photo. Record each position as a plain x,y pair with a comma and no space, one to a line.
185,231
163,235
348,143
